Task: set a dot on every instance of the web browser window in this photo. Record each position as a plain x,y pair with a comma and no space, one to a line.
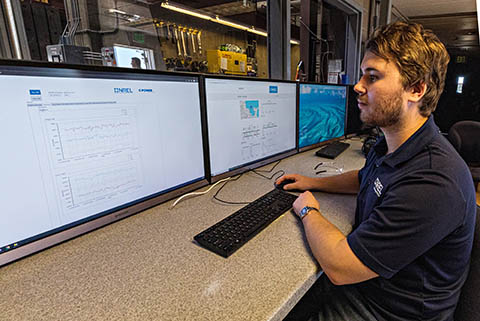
248,121
82,144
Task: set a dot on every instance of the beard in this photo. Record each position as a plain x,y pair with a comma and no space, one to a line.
384,112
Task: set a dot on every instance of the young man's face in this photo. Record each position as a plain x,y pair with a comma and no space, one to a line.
381,97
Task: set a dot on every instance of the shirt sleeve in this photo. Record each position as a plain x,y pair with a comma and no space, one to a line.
415,214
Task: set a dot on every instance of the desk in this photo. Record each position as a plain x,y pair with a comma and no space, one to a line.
146,267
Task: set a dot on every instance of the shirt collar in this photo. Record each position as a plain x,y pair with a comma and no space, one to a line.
411,147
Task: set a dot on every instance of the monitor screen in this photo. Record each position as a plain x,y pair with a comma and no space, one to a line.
321,113
248,121
134,57
89,144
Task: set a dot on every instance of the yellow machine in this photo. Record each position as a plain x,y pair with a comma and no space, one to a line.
226,62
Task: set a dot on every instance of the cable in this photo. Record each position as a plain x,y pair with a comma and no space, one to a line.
226,180
258,172
273,175
200,193
228,202
323,165
309,30
323,54
269,171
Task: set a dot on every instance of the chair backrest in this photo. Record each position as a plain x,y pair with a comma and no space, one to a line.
468,307
465,137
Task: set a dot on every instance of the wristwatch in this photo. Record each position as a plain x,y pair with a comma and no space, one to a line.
306,210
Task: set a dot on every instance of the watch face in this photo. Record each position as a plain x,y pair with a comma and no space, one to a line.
305,211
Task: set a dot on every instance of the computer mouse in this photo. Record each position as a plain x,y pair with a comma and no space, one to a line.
283,183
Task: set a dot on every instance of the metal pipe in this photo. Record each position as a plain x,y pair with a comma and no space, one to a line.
12,29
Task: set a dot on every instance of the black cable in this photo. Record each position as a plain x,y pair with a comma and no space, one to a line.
273,175
254,171
228,202
269,171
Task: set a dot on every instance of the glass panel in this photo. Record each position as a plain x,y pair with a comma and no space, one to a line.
216,36
226,37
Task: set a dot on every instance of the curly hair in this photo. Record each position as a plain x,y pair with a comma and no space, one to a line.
418,54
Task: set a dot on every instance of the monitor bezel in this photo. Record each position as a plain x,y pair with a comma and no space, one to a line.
352,104
258,163
67,232
328,141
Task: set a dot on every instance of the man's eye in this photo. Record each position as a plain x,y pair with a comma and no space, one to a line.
372,78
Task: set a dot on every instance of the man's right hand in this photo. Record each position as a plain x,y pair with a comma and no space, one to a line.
302,183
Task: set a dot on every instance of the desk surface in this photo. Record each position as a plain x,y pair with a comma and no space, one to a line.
146,267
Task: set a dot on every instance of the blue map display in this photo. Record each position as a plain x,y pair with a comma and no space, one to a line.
321,113
252,106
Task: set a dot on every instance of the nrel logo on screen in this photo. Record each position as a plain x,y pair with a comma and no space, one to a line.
35,92
274,89
123,90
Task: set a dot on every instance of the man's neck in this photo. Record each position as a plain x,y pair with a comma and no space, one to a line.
398,134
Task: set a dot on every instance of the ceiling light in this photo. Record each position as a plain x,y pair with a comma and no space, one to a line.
176,8
217,19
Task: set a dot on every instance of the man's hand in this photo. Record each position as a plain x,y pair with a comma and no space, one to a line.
305,199
302,183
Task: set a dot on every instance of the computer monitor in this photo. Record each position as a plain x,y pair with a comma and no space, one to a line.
354,123
321,114
250,123
133,57
84,147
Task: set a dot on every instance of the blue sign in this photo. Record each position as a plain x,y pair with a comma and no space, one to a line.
35,92
274,89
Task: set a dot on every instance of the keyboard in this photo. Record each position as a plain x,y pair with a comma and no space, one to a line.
332,150
228,235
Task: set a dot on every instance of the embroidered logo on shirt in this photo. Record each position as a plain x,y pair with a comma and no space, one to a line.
377,187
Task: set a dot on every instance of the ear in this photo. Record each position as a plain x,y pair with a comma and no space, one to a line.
417,91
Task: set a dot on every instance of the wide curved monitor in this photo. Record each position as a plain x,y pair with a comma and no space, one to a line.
250,123
84,147
322,114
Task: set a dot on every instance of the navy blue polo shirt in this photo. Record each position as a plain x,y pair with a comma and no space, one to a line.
414,227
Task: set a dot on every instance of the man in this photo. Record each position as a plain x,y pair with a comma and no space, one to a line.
408,254
136,63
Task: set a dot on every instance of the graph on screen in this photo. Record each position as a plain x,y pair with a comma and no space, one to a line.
81,188
109,132
94,154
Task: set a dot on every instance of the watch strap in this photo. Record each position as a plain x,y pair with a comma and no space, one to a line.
307,209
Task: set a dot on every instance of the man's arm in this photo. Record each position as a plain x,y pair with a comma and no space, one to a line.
330,246
346,183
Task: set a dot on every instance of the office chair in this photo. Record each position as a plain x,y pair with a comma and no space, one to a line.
468,308
465,137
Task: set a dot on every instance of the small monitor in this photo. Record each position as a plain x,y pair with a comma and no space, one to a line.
321,114
133,57
250,123
89,146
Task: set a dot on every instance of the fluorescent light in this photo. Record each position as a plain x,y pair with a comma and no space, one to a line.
478,19
166,5
217,19
460,84
116,11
